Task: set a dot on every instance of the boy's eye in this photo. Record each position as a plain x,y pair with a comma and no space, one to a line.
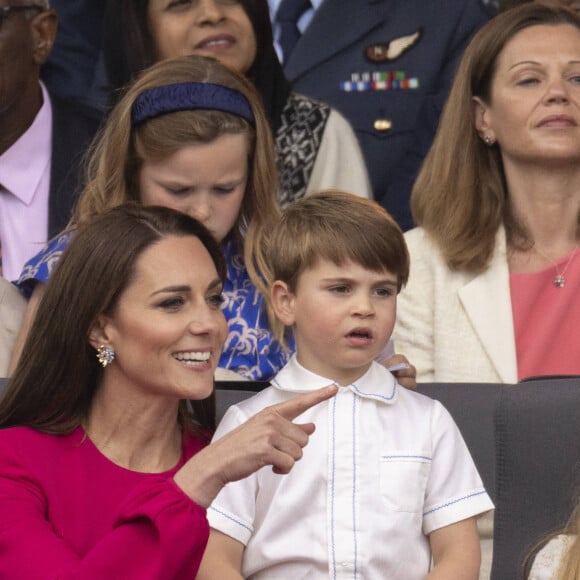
384,292
342,289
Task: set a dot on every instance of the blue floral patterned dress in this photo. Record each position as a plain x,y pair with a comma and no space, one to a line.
250,348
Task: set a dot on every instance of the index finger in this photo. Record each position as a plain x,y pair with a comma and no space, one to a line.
296,406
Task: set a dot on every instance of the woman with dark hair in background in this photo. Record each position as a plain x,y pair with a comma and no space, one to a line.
316,147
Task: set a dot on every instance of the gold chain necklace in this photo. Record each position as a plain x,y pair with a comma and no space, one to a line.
560,280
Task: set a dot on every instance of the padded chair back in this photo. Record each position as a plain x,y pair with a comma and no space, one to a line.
472,406
228,393
538,467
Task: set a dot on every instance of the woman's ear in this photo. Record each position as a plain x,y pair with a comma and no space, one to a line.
98,333
282,299
481,120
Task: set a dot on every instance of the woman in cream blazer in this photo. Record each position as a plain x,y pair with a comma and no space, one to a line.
456,326
492,293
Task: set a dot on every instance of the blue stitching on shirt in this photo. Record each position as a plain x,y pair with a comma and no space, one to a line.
426,457
232,519
453,502
361,392
332,475
354,488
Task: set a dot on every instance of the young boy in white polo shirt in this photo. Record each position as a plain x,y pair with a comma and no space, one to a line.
386,481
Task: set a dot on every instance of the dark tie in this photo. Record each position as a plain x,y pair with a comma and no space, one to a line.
287,18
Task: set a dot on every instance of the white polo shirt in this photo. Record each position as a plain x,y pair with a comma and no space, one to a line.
385,467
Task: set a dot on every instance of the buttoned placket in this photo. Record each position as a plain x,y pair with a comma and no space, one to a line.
342,485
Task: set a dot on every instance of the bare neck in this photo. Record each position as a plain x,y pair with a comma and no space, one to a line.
141,434
548,204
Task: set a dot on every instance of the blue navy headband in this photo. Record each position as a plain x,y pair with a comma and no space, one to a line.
188,97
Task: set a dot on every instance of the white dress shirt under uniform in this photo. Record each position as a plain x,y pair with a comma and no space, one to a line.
385,467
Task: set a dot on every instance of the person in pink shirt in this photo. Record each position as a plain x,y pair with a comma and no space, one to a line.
104,468
42,137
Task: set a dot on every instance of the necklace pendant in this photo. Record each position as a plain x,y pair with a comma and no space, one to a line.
559,281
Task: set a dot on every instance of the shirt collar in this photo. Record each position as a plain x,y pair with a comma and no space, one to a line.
24,163
377,383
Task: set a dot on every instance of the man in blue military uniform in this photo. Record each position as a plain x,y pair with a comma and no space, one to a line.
386,65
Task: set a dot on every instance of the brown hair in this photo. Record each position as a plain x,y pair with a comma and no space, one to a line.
460,196
58,372
335,226
120,149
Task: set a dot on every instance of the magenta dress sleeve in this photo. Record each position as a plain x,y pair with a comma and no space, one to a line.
158,531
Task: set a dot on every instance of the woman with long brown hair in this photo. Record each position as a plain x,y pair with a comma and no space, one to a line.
492,294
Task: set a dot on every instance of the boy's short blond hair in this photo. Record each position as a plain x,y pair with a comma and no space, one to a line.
336,226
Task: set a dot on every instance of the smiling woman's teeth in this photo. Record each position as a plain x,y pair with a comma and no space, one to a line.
192,357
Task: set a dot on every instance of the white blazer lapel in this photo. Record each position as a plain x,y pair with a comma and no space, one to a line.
487,303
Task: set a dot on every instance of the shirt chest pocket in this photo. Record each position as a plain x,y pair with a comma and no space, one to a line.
403,480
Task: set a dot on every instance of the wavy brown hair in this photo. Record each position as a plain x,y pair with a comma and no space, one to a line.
460,196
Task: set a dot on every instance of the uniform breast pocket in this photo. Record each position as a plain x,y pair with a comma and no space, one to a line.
403,480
